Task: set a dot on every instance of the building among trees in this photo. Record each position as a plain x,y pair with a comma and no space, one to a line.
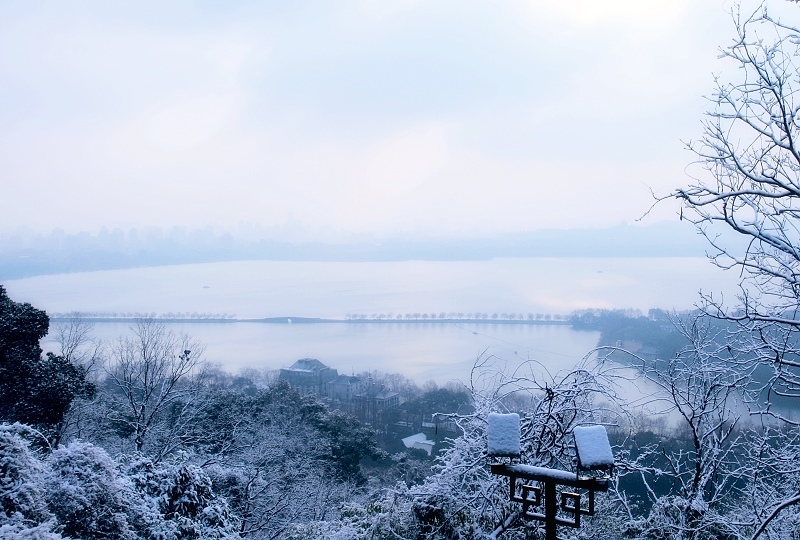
373,400
361,396
309,376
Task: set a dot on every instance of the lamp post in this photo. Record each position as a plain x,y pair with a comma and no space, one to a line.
540,486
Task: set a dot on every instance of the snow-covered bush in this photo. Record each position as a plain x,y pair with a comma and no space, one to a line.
182,497
21,489
677,518
87,495
79,491
20,530
189,501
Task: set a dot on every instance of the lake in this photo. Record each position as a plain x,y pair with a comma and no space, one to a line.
440,352
421,351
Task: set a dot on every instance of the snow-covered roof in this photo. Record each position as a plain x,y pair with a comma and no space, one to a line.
308,364
345,379
411,439
503,434
594,450
419,441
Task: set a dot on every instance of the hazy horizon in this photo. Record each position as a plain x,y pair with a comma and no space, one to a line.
26,253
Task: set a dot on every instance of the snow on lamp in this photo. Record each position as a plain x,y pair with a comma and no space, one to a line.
593,449
503,435
538,489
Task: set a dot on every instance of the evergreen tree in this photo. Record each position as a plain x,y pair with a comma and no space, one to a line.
34,389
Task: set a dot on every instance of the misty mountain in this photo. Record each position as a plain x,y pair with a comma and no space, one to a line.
24,255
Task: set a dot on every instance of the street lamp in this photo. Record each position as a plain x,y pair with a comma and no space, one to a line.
538,488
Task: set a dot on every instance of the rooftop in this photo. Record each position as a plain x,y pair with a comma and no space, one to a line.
308,364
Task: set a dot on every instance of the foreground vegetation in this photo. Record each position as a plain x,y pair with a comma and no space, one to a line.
141,439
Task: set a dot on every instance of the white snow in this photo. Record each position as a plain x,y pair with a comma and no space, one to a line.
554,474
503,434
593,447
420,442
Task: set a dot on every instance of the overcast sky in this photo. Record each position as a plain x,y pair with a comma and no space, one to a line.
380,117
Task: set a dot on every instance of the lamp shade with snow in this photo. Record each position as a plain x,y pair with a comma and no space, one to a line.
593,448
503,435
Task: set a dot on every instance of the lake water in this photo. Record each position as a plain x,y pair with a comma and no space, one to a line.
440,352
421,351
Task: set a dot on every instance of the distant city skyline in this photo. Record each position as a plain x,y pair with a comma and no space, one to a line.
389,118
25,253
293,232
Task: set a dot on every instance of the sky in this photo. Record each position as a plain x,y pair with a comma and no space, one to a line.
369,117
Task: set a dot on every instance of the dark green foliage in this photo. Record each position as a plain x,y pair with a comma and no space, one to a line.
348,442
189,501
436,402
187,493
334,437
442,400
655,334
33,390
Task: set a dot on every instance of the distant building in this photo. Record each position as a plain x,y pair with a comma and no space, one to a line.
309,376
344,387
362,397
385,399
373,400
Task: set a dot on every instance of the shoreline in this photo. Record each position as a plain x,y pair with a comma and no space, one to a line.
317,320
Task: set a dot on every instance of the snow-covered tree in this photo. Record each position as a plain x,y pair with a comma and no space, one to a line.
279,457
156,385
79,491
183,498
699,470
745,199
22,495
87,495
462,499
77,344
